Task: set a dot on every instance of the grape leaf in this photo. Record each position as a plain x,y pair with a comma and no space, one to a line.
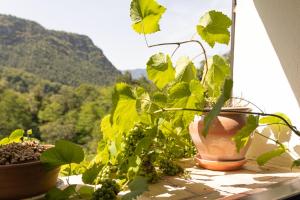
124,114
90,175
160,70
137,186
86,192
274,120
241,138
106,128
186,95
225,95
265,157
15,136
64,152
218,71
145,15
185,70
213,27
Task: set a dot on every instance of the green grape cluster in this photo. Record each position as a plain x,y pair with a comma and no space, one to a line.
108,191
104,173
169,168
147,169
132,138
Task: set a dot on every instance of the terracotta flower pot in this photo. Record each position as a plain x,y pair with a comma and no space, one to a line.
217,151
24,180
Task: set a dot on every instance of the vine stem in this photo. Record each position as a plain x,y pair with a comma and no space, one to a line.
181,43
276,141
206,110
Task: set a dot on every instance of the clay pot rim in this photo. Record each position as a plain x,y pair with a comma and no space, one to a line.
26,164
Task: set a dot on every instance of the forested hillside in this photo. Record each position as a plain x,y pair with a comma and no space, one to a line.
51,109
57,56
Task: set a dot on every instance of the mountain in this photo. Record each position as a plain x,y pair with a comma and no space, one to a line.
58,56
136,73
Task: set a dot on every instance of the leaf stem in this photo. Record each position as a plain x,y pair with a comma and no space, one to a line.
276,141
185,42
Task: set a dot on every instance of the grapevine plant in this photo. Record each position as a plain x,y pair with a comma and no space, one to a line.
147,129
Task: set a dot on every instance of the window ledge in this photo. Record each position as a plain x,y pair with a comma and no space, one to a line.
207,184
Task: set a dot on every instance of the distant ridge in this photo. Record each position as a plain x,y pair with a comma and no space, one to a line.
136,73
57,56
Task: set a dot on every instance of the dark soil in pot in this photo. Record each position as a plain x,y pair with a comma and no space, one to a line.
22,175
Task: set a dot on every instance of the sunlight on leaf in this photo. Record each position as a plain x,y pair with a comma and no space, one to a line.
218,71
106,128
124,114
187,95
274,120
213,28
15,136
160,70
185,70
145,15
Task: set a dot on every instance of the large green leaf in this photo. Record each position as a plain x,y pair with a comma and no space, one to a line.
226,93
213,27
218,71
185,70
124,114
265,157
241,138
160,70
137,187
145,15
187,95
64,152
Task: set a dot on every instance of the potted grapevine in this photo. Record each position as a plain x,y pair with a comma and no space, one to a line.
149,128
223,134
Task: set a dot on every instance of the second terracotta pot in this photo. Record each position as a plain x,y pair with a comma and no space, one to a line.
18,181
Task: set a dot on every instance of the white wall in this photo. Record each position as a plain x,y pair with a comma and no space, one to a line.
267,62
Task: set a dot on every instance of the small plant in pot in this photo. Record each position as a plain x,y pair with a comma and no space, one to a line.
22,174
28,168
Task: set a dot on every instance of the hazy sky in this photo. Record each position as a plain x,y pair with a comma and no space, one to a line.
108,24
